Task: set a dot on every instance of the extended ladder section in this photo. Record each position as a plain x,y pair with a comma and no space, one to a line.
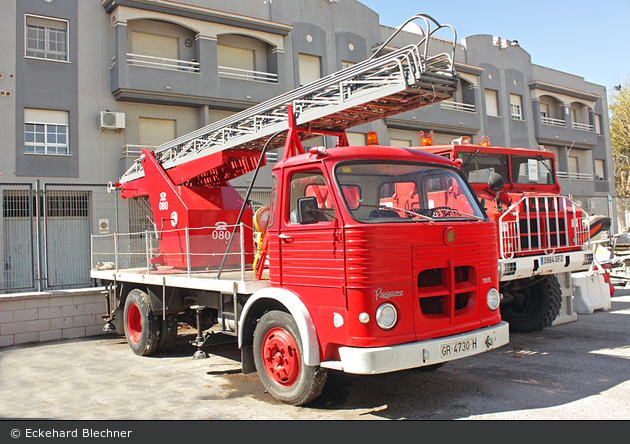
399,81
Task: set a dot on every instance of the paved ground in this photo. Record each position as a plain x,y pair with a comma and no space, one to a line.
579,370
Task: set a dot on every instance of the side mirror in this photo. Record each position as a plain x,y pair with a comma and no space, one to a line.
307,210
495,182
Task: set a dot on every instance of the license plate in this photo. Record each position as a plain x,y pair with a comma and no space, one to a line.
458,348
546,260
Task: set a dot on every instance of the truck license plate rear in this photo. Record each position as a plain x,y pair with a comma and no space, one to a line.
458,348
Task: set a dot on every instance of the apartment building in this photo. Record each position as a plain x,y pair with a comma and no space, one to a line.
85,85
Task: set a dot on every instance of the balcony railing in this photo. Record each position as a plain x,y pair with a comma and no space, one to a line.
574,176
245,74
551,121
582,126
458,106
134,151
146,61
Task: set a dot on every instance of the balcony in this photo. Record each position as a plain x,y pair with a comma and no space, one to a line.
559,131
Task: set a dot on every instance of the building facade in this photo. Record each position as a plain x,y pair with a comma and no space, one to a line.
85,85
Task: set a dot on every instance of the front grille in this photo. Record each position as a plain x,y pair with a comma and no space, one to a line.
540,225
446,292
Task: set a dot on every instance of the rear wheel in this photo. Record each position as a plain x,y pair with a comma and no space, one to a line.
535,307
279,358
168,334
141,326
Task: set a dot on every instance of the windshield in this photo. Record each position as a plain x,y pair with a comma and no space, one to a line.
532,169
478,167
388,192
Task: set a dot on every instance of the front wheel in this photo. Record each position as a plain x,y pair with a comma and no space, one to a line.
279,358
535,307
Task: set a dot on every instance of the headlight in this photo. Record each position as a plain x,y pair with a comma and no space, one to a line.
493,299
386,316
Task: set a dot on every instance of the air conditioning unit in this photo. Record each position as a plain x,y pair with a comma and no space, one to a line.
111,120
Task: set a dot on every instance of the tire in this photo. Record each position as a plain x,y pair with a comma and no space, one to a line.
168,334
141,326
535,307
279,359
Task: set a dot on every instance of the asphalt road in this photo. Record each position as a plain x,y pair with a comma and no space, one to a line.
574,371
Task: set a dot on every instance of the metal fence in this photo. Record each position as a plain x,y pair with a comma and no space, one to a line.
45,232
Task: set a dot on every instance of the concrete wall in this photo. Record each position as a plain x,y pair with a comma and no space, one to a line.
49,316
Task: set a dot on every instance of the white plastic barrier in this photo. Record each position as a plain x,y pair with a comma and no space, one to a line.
591,292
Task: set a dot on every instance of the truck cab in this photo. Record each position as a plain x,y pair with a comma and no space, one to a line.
364,237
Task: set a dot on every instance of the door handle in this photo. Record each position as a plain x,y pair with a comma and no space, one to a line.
284,236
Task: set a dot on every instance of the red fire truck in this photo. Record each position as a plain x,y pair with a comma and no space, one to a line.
332,275
542,234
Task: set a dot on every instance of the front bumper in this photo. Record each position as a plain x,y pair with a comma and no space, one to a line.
377,360
528,266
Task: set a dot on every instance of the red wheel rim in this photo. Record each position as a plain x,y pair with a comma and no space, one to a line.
134,323
281,357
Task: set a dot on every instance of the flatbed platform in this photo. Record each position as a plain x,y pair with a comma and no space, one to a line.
229,281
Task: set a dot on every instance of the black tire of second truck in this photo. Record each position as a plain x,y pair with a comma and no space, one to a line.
279,359
536,307
141,326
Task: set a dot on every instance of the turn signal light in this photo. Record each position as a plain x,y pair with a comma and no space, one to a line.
372,138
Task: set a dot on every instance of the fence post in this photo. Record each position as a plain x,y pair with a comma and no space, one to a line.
242,245
116,249
188,250
146,242
38,235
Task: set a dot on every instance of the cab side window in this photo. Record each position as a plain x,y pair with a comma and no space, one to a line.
311,183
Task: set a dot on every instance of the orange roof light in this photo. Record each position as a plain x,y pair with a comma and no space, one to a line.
484,141
426,139
372,138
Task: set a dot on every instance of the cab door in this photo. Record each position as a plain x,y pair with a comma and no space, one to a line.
312,254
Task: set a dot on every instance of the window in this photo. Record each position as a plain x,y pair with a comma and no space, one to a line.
46,132
345,65
237,58
516,107
155,132
310,68
599,170
154,45
573,165
492,108
311,183
46,38
544,110
401,143
356,139
598,124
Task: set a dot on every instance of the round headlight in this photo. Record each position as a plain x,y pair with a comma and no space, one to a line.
493,299
386,316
